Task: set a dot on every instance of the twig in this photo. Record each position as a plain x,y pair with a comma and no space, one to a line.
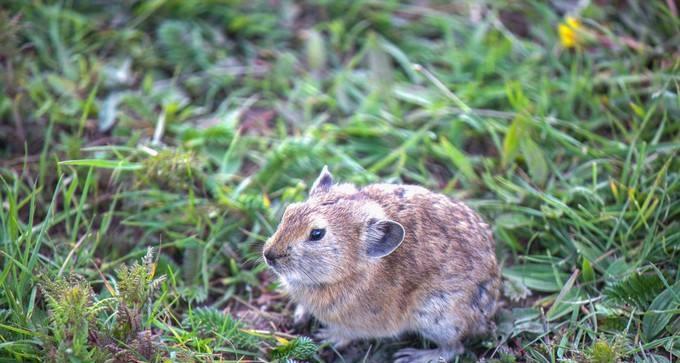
255,309
20,160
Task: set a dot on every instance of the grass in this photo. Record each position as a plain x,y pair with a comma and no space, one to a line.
149,148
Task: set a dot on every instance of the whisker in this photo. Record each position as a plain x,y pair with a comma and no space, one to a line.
304,271
258,258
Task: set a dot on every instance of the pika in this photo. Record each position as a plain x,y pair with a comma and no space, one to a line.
384,260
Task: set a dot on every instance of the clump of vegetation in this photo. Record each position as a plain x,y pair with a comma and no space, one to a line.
170,170
134,292
603,352
210,323
85,326
80,328
301,348
73,312
636,289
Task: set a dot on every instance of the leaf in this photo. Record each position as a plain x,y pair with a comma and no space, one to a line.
563,308
636,289
536,277
104,164
400,57
379,64
507,237
459,159
512,139
513,220
657,358
107,112
588,251
526,320
316,50
655,320
588,273
516,96
617,268
639,110
564,303
414,94
533,155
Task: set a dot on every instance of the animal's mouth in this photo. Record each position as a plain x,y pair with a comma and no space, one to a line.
276,262
287,270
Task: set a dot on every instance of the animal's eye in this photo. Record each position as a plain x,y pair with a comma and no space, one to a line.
317,234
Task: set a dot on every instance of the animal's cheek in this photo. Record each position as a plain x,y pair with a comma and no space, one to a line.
292,252
312,257
302,252
341,253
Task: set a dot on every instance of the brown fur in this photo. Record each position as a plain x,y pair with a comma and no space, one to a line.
442,281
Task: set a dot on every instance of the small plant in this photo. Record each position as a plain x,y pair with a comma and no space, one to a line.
636,289
135,288
603,352
301,348
78,333
209,322
170,170
72,310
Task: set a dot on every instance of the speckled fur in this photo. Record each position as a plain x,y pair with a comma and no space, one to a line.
441,282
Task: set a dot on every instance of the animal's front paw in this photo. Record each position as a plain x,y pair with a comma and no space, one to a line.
332,337
301,316
411,355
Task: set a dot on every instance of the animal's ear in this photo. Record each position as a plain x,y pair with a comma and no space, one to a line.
323,183
383,237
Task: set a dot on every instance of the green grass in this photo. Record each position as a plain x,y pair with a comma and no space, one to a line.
188,128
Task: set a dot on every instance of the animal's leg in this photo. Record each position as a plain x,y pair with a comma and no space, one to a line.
301,316
442,354
333,336
442,320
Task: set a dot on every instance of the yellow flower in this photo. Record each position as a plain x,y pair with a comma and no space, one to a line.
569,32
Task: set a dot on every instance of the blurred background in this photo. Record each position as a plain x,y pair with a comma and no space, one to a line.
189,126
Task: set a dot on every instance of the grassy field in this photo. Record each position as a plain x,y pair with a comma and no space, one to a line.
148,149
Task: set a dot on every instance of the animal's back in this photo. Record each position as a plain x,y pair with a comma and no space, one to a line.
433,222
447,247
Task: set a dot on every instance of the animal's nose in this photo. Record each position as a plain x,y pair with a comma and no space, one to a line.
270,257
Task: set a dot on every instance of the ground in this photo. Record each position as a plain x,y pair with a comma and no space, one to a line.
148,149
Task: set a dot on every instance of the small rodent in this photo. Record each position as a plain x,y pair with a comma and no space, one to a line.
383,260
